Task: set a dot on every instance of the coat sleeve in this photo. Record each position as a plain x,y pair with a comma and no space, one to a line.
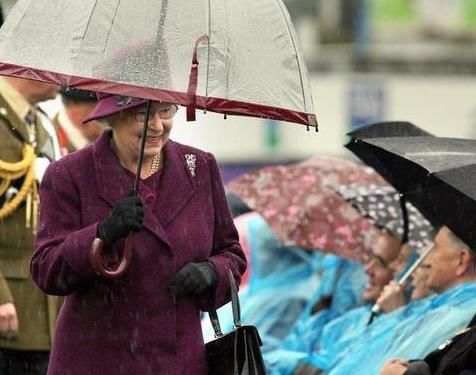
418,368
60,263
227,253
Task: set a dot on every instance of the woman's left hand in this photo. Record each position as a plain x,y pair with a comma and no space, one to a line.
194,278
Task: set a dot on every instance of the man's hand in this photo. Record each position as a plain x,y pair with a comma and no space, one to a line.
392,297
394,367
8,320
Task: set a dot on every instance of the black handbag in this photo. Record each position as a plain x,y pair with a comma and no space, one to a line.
237,352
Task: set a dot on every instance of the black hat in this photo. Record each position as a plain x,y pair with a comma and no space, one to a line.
77,95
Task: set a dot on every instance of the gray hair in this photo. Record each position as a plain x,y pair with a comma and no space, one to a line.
457,242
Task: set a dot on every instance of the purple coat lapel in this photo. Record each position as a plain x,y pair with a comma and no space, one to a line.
176,189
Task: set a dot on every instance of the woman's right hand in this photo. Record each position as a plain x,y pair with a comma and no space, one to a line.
127,215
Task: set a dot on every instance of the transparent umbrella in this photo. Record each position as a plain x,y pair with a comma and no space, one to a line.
232,57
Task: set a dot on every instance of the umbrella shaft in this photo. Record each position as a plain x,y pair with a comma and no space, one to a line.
376,309
142,148
415,265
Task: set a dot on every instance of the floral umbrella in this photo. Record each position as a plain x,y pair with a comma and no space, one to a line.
301,209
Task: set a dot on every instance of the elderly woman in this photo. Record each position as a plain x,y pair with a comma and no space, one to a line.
148,320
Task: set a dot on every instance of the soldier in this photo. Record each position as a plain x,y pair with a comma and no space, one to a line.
28,144
72,133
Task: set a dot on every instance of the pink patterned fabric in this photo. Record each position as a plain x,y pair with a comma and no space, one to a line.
302,211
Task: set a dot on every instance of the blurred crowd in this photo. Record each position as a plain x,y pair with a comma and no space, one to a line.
316,308
27,316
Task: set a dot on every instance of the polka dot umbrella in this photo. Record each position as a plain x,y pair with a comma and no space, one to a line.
382,205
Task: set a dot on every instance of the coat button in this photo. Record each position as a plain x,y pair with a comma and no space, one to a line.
149,199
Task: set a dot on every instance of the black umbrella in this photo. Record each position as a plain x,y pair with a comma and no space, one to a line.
388,129
236,204
438,175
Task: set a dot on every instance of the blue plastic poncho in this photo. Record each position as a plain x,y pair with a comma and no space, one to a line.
348,283
421,331
333,343
281,282
325,342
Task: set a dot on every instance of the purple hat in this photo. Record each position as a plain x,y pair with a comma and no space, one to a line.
109,104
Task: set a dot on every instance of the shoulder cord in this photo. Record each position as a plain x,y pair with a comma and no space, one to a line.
28,190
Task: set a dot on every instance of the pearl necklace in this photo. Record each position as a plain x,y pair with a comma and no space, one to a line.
154,168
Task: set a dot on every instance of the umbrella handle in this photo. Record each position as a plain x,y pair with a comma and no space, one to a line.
96,258
96,254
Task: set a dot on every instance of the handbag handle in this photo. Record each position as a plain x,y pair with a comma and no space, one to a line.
235,304
215,323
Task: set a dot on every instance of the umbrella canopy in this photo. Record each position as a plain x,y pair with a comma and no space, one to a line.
302,211
212,55
438,175
388,129
382,205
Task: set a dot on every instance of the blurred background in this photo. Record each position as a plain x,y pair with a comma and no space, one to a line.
369,61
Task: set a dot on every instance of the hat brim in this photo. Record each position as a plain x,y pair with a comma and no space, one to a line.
108,107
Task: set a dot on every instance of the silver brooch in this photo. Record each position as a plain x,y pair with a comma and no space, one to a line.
191,160
126,100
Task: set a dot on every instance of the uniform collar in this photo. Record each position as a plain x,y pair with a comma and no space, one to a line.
75,137
17,101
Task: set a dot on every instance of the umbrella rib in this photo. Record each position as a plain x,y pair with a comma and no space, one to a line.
280,5
160,39
208,48
89,20
80,47
112,23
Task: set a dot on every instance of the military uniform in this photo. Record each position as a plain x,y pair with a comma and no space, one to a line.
70,139
36,311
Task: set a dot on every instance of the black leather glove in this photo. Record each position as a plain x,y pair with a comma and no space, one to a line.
194,278
127,215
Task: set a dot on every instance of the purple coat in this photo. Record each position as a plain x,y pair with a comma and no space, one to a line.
131,325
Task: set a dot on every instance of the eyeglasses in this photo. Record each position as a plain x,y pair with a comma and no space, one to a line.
165,112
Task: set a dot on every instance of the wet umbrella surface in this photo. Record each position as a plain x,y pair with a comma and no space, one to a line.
219,59
388,129
438,175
